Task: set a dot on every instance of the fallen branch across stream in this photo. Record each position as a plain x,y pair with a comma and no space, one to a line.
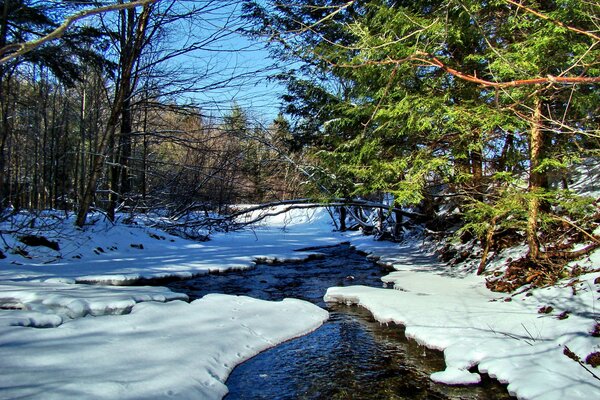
234,221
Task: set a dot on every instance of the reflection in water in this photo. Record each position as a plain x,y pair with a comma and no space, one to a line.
349,357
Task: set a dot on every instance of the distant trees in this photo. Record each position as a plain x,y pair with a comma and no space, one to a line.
29,76
482,105
268,167
103,115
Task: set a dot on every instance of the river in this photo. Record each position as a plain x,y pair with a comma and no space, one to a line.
350,357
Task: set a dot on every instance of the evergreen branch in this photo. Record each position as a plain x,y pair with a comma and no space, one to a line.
430,60
580,58
549,79
560,126
325,18
16,50
547,18
385,93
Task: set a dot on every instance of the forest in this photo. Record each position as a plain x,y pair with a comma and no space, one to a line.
94,118
469,115
341,199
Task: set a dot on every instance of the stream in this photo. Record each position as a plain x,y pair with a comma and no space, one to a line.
350,357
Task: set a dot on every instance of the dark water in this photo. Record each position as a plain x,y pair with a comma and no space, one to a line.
350,357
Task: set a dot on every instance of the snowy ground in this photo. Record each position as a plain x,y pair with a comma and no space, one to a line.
157,351
140,342
144,342
109,254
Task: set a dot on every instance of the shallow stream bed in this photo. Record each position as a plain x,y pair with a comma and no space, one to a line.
350,357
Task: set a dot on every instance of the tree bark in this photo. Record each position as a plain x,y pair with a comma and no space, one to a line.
506,149
535,180
342,219
397,224
123,92
121,150
4,123
90,189
489,240
477,168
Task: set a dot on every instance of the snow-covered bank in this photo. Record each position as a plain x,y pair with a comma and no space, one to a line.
506,337
139,342
87,353
160,350
49,304
121,254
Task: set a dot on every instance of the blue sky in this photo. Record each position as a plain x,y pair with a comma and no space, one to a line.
221,54
232,56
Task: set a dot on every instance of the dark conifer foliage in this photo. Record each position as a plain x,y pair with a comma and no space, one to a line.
478,107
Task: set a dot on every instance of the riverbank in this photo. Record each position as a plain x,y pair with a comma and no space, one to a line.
521,339
125,335
60,338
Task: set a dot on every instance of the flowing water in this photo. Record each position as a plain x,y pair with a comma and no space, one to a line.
350,357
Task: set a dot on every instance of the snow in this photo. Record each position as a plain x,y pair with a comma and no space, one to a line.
455,376
52,301
122,254
159,350
584,179
141,342
60,338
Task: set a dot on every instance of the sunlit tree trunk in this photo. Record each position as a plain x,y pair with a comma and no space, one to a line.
535,180
128,61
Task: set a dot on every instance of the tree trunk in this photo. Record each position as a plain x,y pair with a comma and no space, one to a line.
145,149
96,166
113,176
342,219
477,168
506,149
535,181
4,127
489,241
136,38
116,170
90,189
380,220
125,144
398,219
4,133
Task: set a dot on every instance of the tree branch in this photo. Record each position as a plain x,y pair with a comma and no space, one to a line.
325,18
430,60
547,18
434,61
15,50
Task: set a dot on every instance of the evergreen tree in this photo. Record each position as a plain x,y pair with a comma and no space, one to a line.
407,96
